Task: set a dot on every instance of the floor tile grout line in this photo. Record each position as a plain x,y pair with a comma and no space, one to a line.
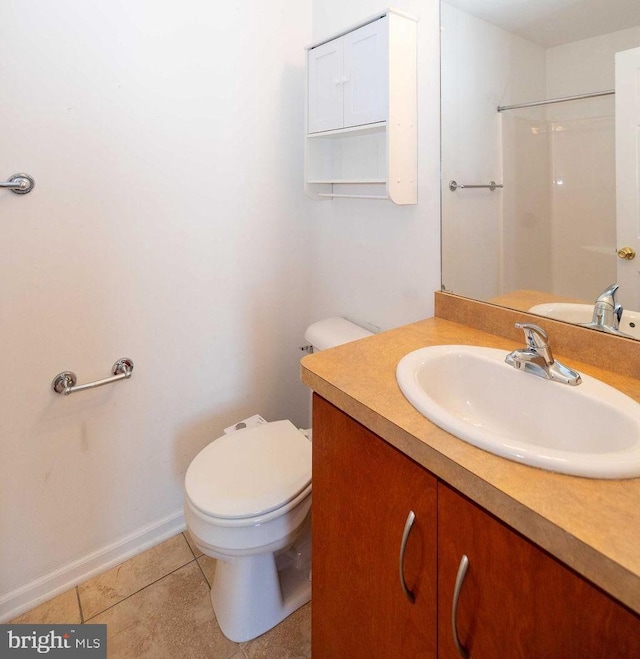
203,573
143,588
239,649
184,535
77,589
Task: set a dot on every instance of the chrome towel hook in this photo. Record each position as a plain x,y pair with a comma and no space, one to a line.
65,383
19,184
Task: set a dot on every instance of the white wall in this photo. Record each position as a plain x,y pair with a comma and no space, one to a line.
374,262
586,66
168,224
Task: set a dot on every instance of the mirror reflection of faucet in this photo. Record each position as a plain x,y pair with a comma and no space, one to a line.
607,313
537,357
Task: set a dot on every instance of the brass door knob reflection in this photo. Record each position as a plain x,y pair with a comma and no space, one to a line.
627,253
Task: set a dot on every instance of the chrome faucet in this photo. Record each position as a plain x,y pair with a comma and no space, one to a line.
537,357
607,312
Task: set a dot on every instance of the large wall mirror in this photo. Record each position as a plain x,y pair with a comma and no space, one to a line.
541,157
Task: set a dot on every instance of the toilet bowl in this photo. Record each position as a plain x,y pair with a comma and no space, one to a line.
248,504
247,500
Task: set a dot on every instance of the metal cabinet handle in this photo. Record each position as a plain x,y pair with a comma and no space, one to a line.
403,546
462,573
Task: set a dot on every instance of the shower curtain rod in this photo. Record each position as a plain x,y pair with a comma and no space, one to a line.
578,97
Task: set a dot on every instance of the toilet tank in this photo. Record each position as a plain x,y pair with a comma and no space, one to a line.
329,333
332,332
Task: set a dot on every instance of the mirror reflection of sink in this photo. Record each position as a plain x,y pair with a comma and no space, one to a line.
583,313
591,430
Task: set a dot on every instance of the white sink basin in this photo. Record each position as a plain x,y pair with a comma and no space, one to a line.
583,313
590,430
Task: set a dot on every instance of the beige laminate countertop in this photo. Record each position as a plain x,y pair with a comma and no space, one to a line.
593,526
525,299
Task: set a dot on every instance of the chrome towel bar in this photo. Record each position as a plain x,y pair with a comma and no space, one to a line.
19,184
65,383
492,185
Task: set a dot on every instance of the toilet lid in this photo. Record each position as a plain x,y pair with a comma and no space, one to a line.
250,472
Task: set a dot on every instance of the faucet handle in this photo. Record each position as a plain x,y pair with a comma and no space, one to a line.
535,336
538,358
606,311
608,296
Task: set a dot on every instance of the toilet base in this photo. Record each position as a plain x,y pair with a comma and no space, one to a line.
250,595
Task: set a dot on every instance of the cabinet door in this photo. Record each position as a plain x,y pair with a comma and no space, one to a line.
363,491
326,82
516,600
366,72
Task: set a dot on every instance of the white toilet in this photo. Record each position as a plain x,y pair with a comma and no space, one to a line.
248,504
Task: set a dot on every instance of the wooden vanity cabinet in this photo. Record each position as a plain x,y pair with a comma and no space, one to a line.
363,492
516,600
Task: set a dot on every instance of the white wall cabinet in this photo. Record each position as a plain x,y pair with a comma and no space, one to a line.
325,81
348,83
361,132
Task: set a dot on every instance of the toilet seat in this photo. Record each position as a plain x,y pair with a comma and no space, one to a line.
250,473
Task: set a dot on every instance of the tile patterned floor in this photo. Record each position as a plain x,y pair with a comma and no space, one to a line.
156,605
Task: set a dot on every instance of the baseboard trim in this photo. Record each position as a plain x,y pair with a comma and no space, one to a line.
42,589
